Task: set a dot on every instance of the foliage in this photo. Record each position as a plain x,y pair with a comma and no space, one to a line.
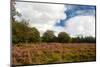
63,37
22,33
48,36
86,39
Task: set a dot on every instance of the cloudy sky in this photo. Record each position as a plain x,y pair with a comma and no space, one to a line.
73,19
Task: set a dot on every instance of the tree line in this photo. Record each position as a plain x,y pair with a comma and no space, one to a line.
22,33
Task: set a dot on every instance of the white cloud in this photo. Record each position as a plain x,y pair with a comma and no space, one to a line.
81,25
42,16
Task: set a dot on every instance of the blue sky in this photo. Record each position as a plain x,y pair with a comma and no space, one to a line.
76,10
72,19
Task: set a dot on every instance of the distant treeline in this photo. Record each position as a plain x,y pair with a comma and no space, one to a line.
22,33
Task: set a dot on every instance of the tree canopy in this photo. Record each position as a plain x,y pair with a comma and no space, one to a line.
22,33
63,37
48,36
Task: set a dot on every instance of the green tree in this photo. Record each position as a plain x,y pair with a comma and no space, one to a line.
85,39
22,33
48,36
34,35
89,39
63,37
20,30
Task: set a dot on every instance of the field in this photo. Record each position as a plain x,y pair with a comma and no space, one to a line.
45,53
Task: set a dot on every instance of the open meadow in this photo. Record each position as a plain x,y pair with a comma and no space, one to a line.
45,53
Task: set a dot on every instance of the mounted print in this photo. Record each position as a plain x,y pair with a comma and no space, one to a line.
52,33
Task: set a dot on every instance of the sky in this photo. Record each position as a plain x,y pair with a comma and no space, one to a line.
73,19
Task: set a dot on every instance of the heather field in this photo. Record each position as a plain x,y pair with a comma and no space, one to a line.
46,53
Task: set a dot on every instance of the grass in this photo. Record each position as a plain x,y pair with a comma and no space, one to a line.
45,53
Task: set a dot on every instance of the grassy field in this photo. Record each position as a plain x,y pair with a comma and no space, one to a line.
45,53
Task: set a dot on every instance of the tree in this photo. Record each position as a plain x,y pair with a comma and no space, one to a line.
13,10
49,36
89,39
85,39
34,35
63,37
22,33
20,30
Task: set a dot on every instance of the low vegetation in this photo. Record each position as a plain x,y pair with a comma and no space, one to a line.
45,53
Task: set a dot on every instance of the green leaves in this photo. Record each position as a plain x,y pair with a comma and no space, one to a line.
48,36
63,37
22,33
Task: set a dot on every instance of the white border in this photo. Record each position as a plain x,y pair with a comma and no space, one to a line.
4,33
